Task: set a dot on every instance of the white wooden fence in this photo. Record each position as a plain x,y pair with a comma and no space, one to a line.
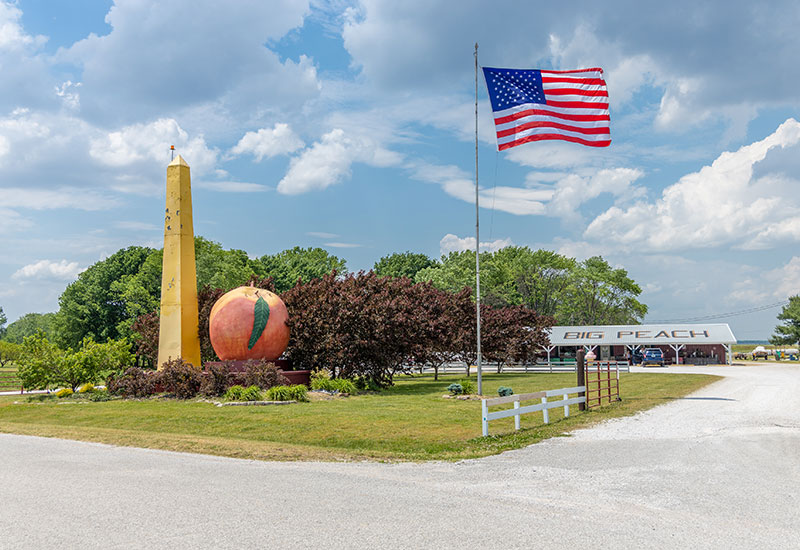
544,406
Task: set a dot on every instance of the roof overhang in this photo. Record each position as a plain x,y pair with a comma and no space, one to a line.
632,335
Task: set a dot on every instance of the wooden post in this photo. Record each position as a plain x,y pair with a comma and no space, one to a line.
579,356
545,412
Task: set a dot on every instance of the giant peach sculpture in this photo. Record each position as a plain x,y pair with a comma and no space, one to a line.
249,323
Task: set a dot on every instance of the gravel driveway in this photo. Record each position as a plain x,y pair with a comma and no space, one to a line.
718,469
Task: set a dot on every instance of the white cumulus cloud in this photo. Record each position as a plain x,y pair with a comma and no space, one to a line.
269,142
725,203
328,161
151,143
454,243
47,269
461,185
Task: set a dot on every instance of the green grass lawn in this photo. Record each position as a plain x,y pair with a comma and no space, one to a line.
410,421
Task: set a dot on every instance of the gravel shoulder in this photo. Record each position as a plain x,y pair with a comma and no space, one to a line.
719,468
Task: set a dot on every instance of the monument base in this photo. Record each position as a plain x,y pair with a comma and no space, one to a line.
284,366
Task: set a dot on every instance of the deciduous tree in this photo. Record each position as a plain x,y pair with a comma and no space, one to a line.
788,332
402,264
294,264
28,324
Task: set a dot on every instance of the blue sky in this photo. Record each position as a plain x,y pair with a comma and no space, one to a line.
348,125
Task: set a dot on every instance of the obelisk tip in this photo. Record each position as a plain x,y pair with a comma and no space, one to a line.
178,161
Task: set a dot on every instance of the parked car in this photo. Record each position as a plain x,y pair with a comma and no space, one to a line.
653,356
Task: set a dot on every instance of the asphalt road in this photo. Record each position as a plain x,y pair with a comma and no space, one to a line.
718,469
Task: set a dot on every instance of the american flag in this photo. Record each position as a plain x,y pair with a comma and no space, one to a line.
533,105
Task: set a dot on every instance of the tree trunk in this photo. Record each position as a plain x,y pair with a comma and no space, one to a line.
436,372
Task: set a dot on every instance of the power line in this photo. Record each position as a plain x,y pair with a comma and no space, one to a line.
724,315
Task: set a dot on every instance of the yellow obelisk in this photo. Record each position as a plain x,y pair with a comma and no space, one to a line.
178,335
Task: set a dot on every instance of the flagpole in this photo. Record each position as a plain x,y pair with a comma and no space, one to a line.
477,234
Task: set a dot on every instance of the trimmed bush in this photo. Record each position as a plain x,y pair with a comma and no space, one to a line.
64,392
217,379
263,374
455,389
180,378
504,391
134,382
86,388
297,392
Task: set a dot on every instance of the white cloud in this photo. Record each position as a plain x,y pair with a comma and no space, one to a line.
721,204
322,235
269,142
328,161
11,221
773,284
573,190
231,186
454,243
46,269
162,57
12,35
151,143
62,197
136,226
461,185
344,245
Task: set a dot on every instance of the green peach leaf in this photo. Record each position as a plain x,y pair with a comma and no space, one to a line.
260,318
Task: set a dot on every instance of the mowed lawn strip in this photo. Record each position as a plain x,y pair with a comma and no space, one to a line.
410,421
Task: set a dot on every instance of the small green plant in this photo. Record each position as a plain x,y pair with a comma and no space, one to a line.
321,380
504,391
455,389
343,385
64,392
468,386
297,392
234,393
86,388
100,395
368,384
252,393
40,397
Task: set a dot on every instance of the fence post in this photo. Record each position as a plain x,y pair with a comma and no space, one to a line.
484,414
579,367
545,412
516,417
566,407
